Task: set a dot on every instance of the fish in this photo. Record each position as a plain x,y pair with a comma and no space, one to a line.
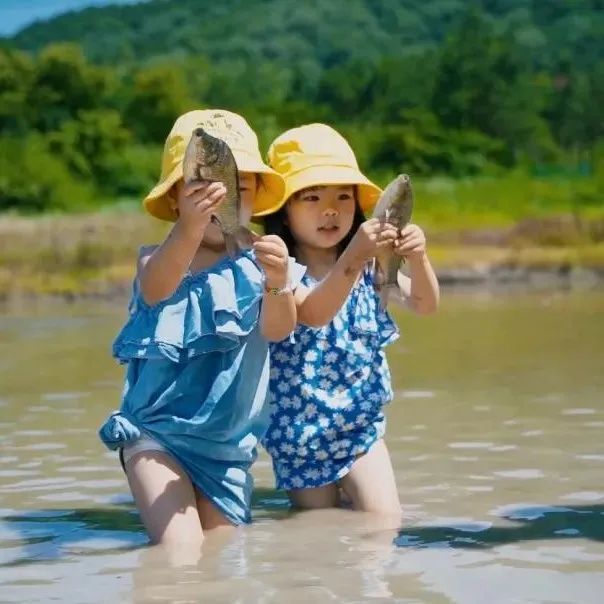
210,159
394,207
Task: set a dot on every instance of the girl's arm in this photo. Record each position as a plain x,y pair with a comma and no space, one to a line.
419,291
161,272
319,305
278,314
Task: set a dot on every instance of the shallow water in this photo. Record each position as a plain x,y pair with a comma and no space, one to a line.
496,434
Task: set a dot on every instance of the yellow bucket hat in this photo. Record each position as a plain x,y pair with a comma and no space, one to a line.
242,140
315,154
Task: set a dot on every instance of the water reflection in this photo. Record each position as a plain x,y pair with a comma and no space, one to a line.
538,523
498,402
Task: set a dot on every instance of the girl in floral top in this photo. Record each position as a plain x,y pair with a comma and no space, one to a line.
328,386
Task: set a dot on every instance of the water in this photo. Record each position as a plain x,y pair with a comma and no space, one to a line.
497,440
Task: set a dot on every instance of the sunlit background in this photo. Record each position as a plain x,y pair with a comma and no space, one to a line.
494,107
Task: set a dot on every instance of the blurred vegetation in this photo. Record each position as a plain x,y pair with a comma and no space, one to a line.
495,107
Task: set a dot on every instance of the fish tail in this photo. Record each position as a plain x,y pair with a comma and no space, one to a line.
392,276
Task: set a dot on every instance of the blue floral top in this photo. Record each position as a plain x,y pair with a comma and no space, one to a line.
327,389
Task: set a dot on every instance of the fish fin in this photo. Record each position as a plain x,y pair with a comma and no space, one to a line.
232,245
245,237
393,268
241,239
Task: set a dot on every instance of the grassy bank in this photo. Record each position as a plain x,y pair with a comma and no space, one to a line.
518,221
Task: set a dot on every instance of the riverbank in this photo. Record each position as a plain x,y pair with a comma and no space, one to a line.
93,255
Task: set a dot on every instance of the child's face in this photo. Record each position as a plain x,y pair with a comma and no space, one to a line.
247,191
322,216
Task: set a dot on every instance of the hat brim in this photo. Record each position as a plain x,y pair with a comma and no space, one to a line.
268,199
314,176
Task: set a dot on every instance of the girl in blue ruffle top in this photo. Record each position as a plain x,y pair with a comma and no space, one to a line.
328,386
196,345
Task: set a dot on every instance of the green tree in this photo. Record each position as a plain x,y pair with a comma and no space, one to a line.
160,93
64,83
88,143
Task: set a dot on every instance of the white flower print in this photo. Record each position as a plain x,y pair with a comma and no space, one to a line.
365,405
321,455
287,449
325,384
312,474
310,410
311,356
331,357
330,434
339,419
324,421
329,384
308,432
281,356
309,371
306,390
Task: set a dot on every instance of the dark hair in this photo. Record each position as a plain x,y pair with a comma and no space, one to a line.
276,224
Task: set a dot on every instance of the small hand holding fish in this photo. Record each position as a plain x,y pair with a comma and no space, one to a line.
411,242
197,202
273,257
371,237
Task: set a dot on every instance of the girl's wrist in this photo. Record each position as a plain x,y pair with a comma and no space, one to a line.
419,259
191,233
277,287
352,262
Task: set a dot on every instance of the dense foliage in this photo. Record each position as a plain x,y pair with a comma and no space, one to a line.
442,87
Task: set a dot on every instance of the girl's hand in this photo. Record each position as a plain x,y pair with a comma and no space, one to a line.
371,238
273,257
197,201
411,243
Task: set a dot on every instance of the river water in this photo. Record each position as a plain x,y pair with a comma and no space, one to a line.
496,434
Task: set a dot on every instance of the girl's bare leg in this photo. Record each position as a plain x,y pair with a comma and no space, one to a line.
209,515
371,485
316,498
165,498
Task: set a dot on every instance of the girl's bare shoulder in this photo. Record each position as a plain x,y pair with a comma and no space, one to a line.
144,253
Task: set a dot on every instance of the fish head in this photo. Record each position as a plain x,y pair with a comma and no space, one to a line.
210,152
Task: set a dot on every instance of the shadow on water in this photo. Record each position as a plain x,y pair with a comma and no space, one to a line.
536,523
51,534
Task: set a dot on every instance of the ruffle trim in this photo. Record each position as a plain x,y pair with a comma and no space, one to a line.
351,330
210,311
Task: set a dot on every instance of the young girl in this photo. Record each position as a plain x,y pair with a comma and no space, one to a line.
196,344
328,386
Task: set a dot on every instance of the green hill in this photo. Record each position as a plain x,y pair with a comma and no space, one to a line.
452,88
318,32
